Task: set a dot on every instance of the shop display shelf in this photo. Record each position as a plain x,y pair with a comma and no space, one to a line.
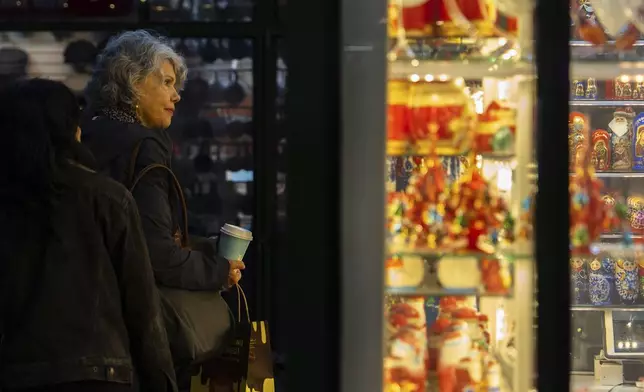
616,249
618,236
607,174
398,148
466,69
598,308
600,103
437,254
577,43
441,292
605,70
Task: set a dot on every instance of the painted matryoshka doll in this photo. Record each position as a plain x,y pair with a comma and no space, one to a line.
578,280
627,280
600,281
640,262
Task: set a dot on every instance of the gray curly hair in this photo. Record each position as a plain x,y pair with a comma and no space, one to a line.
127,60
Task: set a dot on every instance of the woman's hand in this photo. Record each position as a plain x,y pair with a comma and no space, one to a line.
234,274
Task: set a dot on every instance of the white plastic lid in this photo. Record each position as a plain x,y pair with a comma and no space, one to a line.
237,231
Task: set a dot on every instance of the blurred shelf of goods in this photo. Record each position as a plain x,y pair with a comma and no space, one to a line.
459,270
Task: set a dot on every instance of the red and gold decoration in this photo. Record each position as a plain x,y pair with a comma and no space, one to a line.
477,219
428,117
495,130
405,363
459,348
462,18
398,135
441,117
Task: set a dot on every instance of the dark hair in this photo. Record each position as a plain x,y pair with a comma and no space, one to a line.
38,122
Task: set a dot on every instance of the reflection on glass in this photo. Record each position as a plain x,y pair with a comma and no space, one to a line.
202,10
213,133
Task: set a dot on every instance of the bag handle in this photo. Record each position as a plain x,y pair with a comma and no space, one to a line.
133,181
241,295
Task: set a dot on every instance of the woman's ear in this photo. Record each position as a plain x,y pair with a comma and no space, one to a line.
78,134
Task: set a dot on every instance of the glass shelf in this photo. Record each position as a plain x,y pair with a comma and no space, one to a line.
612,103
466,69
595,308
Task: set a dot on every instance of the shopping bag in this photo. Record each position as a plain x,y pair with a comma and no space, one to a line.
245,365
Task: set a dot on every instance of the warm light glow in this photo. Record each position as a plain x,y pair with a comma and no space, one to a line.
460,82
414,78
620,345
504,179
624,78
415,63
639,78
634,344
429,78
628,345
500,324
442,78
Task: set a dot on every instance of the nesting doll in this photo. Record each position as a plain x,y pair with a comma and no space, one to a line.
600,281
578,280
600,154
622,138
627,280
591,89
640,262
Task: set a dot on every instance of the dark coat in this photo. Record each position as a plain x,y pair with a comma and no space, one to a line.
112,143
78,296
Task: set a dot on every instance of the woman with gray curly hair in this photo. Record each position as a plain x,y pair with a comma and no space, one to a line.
131,100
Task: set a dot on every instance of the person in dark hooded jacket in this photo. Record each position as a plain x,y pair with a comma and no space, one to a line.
79,310
131,100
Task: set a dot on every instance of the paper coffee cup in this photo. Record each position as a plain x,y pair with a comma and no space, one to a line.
234,241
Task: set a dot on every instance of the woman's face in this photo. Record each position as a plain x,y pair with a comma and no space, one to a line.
157,97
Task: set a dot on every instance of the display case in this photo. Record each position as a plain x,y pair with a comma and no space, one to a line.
459,265
606,153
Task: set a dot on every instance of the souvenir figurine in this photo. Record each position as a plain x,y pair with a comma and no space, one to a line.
627,92
600,281
578,281
638,142
600,153
637,92
423,221
640,263
576,137
573,90
589,214
640,89
635,205
627,280
619,89
579,90
587,25
622,138
591,89
406,355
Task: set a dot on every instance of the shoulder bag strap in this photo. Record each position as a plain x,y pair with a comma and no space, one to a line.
178,190
133,179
